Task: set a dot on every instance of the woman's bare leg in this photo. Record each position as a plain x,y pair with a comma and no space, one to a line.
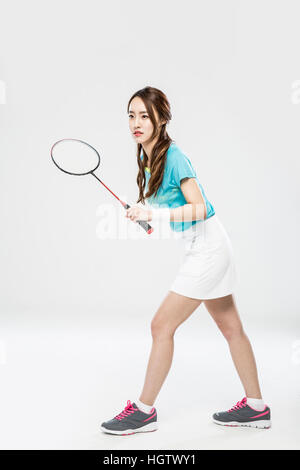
174,310
224,311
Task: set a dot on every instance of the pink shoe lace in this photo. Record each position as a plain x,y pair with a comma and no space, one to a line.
239,405
128,410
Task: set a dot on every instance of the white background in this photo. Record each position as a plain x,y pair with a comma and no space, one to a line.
68,69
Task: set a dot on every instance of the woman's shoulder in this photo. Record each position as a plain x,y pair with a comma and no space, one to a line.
175,154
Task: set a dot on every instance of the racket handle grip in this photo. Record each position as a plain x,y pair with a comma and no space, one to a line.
145,226
142,223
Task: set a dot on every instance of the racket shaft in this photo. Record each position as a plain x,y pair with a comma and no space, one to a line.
142,223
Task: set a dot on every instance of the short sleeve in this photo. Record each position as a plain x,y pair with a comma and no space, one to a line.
182,168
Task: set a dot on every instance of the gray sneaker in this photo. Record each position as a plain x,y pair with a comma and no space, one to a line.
130,421
242,414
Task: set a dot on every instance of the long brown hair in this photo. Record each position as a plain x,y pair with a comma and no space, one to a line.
153,98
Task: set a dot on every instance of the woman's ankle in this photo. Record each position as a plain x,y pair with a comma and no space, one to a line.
146,408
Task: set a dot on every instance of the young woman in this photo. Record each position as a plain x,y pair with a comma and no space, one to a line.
207,275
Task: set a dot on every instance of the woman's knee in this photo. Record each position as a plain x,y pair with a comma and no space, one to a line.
232,332
161,327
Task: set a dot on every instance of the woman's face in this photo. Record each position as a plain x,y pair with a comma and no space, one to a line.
139,121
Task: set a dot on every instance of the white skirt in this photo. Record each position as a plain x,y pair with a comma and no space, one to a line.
208,270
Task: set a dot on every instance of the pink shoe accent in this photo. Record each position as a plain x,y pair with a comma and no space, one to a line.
150,417
266,406
256,409
261,414
128,410
239,405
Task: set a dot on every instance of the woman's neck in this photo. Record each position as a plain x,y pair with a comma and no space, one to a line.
148,147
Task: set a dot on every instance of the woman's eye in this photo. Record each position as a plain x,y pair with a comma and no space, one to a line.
144,115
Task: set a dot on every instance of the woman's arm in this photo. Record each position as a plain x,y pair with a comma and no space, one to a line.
195,209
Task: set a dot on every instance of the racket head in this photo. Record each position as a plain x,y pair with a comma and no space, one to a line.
75,157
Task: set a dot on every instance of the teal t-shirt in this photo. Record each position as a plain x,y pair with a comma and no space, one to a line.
177,167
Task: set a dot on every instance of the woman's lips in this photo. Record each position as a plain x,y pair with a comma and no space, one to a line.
137,134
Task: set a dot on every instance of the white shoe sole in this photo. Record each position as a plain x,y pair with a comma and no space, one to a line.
147,428
262,424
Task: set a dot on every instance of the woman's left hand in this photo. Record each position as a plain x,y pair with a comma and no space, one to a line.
137,213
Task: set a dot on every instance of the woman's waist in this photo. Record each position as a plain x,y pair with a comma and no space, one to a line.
210,233
199,228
